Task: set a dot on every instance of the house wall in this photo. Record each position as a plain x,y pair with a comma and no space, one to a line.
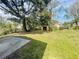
57,26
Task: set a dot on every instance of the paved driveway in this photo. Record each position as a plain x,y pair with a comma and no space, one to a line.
8,45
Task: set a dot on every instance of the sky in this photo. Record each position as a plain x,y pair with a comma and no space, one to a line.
60,11
66,3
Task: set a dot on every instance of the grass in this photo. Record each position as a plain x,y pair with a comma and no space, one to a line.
62,44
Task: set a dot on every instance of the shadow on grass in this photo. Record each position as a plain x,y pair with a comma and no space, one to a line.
33,50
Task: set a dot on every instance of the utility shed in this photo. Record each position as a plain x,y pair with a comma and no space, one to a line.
9,45
45,28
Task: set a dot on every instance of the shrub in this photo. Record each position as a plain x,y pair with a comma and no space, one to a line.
75,27
7,28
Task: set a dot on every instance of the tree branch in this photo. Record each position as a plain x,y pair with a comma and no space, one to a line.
8,5
2,8
22,5
27,12
15,5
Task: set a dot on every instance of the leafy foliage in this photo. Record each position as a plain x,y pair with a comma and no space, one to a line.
67,25
23,8
6,28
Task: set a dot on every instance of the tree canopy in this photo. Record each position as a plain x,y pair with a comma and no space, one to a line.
74,9
23,8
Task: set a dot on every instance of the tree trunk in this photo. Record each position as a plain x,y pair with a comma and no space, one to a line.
76,23
24,25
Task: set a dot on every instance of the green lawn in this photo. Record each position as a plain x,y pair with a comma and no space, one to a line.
62,44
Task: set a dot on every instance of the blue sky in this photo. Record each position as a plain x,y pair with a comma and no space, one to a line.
61,10
66,3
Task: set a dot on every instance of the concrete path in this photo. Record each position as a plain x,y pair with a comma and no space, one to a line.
8,45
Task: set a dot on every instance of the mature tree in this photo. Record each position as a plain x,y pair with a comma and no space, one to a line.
74,9
76,21
45,17
23,8
53,4
67,25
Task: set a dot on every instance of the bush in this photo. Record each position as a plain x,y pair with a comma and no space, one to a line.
7,28
75,27
61,28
